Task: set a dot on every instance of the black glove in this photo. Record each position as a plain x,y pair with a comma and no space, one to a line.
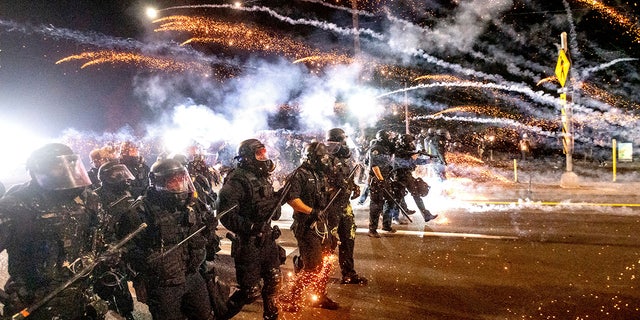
315,215
258,229
355,192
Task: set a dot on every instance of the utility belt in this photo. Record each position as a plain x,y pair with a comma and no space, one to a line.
258,239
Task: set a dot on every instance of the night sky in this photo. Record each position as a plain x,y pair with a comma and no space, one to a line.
504,42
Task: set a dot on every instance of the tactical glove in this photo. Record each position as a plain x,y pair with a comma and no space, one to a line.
355,192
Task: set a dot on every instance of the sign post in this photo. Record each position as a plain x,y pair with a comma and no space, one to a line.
569,179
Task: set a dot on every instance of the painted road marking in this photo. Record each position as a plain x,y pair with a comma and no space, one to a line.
552,203
439,234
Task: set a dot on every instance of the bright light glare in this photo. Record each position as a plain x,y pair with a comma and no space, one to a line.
365,106
12,168
237,4
151,13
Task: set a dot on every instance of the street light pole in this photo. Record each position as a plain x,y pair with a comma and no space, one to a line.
354,18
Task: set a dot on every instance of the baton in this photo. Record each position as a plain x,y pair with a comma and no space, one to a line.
218,216
29,310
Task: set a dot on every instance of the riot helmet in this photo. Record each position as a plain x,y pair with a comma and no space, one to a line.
55,167
382,135
252,155
115,175
407,142
171,178
337,143
181,158
316,155
128,148
336,135
386,138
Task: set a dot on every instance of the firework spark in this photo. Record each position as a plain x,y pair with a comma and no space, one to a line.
615,17
307,286
155,63
244,37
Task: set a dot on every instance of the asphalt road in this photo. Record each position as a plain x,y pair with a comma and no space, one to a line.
509,250
494,253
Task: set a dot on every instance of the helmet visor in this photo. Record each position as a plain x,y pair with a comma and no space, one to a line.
118,173
333,147
176,182
261,154
62,172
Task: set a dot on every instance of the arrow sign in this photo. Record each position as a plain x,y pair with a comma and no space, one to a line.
562,68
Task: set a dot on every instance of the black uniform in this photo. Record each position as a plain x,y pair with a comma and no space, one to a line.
169,281
380,155
47,227
112,276
140,171
310,190
341,179
256,255
406,159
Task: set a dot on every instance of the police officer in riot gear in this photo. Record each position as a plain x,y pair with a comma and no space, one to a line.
168,276
249,195
405,162
341,179
130,157
308,196
47,227
111,283
380,165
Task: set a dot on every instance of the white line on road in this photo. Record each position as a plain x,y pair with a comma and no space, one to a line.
439,234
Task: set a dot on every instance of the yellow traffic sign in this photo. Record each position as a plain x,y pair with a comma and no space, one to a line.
562,68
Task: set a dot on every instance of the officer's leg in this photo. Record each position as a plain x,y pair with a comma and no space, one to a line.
272,279
346,233
248,276
375,208
165,303
196,301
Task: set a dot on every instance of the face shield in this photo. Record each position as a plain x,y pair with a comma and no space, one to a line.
62,173
261,154
338,149
116,174
176,182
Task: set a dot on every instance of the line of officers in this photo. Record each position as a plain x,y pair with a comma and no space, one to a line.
72,249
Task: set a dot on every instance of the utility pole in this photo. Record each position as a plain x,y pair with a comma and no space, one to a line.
569,178
406,110
356,36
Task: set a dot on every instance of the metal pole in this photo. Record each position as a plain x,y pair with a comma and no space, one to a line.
406,111
356,35
614,147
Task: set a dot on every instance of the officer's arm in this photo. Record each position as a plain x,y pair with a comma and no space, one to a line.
231,194
299,206
6,221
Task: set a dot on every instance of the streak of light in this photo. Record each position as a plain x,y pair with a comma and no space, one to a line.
113,57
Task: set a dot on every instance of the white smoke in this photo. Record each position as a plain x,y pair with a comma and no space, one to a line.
459,33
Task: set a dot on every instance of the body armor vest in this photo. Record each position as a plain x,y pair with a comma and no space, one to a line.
50,237
168,227
259,191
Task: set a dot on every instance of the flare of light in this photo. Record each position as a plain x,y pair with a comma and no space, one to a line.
488,110
548,79
439,78
12,168
307,286
94,58
151,12
365,106
614,17
606,97
244,37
